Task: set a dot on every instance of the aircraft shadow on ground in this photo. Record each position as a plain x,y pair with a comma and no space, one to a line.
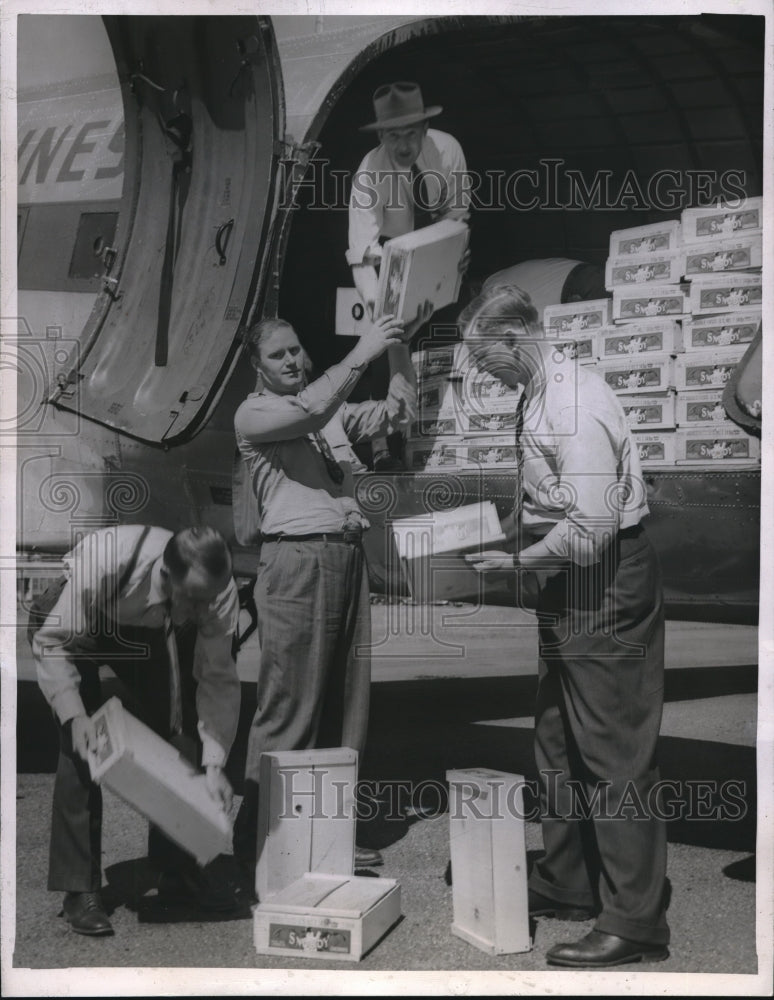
420,729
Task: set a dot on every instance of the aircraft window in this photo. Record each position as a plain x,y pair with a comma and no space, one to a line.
96,231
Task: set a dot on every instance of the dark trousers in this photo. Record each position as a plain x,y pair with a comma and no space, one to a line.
597,720
314,679
75,855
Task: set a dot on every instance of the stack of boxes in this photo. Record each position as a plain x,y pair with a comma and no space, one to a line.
683,316
686,303
466,418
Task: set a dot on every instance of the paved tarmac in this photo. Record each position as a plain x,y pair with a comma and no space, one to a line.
433,708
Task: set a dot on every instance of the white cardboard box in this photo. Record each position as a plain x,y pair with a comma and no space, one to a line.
497,420
431,546
701,408
306,816
650,413
657,448
476,389
722,220
644,269
335,917
635,302
434,361
576,317
655,238
494,451
432,427
434,455
152,777
583,349
719,332
707,369
717,445
351,318
435,396
421,265
720,256
645,373
718,293
644,337
488,860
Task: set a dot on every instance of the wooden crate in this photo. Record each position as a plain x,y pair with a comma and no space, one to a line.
152,777
489,860
327,916
306,816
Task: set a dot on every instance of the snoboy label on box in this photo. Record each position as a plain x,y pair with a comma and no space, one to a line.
435,396
492,452
639,338
576,317
433,428
439,454
724,292
648,301
655,449
723,255
580,349
701,408
722,220
659,237
716,445
706,371
727,330
643,269
488,423
650,412
434,361
638,374
480,390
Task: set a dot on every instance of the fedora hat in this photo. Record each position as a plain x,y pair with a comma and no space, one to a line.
398,104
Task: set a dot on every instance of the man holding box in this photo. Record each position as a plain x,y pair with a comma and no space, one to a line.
601,634
414,177
125,591
311,590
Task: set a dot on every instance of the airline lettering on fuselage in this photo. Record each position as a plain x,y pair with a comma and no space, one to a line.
54,160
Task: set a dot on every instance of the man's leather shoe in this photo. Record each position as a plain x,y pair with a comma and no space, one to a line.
83,912
542,906
368,857
601,951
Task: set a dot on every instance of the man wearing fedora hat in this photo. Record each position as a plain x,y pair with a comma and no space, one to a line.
415,176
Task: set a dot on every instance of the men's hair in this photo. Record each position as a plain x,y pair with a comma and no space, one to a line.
499,309
200,547
258,332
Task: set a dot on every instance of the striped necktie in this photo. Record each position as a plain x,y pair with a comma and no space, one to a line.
335,471
519,442
423,216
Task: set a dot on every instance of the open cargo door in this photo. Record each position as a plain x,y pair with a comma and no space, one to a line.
203,109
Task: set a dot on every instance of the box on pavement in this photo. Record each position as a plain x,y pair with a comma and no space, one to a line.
719,256
659,336
419,266
719,293
633,302
718,445
576,317
702,408
152,777
707,369
488,860
650,413
431,548
722,220
646,373
337,917
726,330
655,448
306,816
655,238
643,269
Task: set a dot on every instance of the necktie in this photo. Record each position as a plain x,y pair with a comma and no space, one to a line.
335,471
175,698
519,441
423,216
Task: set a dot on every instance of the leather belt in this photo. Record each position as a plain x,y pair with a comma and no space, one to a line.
352,536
